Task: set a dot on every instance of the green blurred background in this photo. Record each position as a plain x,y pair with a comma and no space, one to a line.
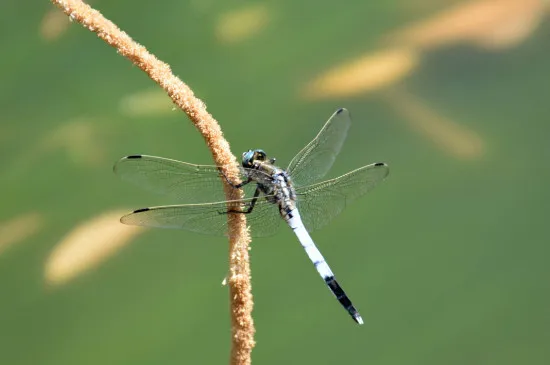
447,260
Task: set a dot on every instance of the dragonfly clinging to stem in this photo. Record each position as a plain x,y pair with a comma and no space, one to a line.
271,193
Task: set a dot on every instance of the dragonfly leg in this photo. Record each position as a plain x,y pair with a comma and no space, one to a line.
236,186
250,206
253,201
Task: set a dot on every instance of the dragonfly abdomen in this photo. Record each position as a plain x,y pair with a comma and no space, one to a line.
320,264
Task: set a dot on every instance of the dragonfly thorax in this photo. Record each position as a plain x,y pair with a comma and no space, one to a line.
272,181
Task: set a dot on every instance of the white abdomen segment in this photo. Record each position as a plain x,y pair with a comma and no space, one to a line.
295,222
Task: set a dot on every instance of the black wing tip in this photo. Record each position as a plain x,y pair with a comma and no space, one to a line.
382,166
130,157
126,219
341,110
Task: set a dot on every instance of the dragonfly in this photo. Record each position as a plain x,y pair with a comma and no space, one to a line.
296,195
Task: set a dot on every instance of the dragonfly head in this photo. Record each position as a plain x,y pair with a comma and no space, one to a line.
250,156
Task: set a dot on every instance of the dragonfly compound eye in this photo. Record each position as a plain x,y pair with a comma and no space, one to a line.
248,158
260,155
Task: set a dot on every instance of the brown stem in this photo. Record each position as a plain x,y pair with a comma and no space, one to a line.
242,326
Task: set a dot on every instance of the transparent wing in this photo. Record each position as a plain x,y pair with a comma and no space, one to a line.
320,203
209,218
186,182
314,161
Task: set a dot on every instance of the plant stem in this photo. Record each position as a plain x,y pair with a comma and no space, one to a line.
241,303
